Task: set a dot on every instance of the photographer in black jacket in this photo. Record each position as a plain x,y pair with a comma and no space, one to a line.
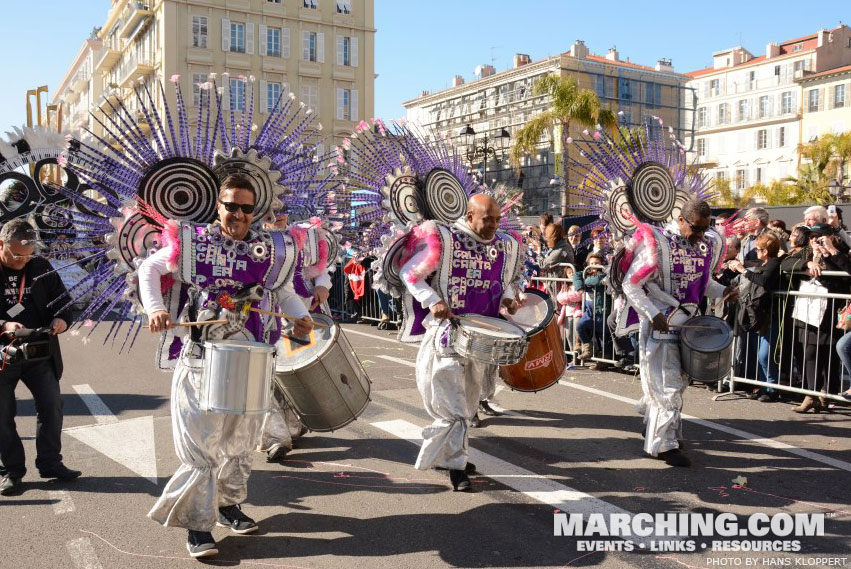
26,290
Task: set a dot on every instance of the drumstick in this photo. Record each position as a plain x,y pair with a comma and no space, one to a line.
225,301
287,316
480,323
204,323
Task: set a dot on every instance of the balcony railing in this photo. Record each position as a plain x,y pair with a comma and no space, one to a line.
134,68
133,16
109,55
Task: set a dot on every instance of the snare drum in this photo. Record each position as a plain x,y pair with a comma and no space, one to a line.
236,377
323,380
489,340
544,362
706,351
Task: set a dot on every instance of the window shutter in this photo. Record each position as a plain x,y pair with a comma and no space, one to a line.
225,34
339,104
285,43
354,49
264,95
320,151
305,46
249,38
830,97
340,48
320,48
262,38
354,108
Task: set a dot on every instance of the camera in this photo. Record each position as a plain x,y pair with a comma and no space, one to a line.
35,348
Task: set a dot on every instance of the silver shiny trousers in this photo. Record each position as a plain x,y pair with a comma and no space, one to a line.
281,425
450,387
215,454
663,384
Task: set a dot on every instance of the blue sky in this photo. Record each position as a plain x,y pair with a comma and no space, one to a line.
422,44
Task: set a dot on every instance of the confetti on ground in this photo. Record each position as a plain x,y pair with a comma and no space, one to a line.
740,480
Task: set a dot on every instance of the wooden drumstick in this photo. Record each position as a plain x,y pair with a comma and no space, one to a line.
480,323
204,323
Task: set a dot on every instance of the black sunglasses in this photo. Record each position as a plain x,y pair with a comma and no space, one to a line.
247,208
696,228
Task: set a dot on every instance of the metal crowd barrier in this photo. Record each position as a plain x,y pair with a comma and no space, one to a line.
371,307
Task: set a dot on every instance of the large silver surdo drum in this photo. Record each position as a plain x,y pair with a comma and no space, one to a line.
706,349
489,340
323,381
236,377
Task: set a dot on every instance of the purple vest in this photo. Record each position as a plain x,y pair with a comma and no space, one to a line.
216,264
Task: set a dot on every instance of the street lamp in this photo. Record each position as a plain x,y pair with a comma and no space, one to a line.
837,190
484,152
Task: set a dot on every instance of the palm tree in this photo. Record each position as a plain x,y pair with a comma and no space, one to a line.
842,151
569,106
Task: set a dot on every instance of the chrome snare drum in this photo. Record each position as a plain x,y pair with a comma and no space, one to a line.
323,381
489,340
706,350
236,377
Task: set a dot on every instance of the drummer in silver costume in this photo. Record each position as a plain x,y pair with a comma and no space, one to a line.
669,275
450,385
215,449
282,426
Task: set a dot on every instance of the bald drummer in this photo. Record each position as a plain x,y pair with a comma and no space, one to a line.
472,250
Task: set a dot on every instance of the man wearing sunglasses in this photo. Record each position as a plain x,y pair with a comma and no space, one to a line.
670,274
255,268
28,285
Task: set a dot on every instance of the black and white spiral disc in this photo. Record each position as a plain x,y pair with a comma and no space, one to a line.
181,188
652,192
54,221
444,196
618,211
136,238
392,263
406,201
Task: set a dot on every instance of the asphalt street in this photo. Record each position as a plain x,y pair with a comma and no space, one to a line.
352,498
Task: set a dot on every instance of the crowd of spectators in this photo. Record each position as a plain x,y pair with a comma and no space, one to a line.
784,318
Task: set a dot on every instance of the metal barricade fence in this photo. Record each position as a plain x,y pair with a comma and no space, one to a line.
373,306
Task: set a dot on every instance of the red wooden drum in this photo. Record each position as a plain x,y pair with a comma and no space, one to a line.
544,362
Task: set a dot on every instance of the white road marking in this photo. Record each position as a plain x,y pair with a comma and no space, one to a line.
383,338
535,486
398,361
771,443
130,443
83,554
96,406
64,504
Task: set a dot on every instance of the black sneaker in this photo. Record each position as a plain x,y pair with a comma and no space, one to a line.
60,471
674,457
201,544
475,422
276,453
486,408
460,481
10,486
469,468
233,518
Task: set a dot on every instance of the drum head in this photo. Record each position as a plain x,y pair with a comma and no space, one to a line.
713,335
292,355
491,327
536,313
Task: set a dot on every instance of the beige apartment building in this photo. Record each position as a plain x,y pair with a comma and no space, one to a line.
754,111
320,50
503,100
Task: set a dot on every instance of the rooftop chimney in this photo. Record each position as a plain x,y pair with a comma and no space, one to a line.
823,37
485,70
457,81
664,65
772,50
612,55
579,50
425,93
521,59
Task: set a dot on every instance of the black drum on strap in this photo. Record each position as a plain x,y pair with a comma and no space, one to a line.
706,349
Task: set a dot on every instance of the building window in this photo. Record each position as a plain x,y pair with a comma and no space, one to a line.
715,87
273,93
273,42
838,96
344,102
781,136
741,179
237,95
199,31
273,1
310,95
312,47
758,176
721,176
813,100
743,110
653,96
786,103
763,107
197,80
762,139
347,51
600,85
237,38
701,147
344,6
723,113
701,117
624,89
312,4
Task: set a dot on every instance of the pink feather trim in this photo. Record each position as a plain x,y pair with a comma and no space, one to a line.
171,239
319,267
427,233
645,233
299,235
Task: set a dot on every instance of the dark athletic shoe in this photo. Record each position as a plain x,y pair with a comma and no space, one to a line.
10,486
201,544
60,472
460,481
233,518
